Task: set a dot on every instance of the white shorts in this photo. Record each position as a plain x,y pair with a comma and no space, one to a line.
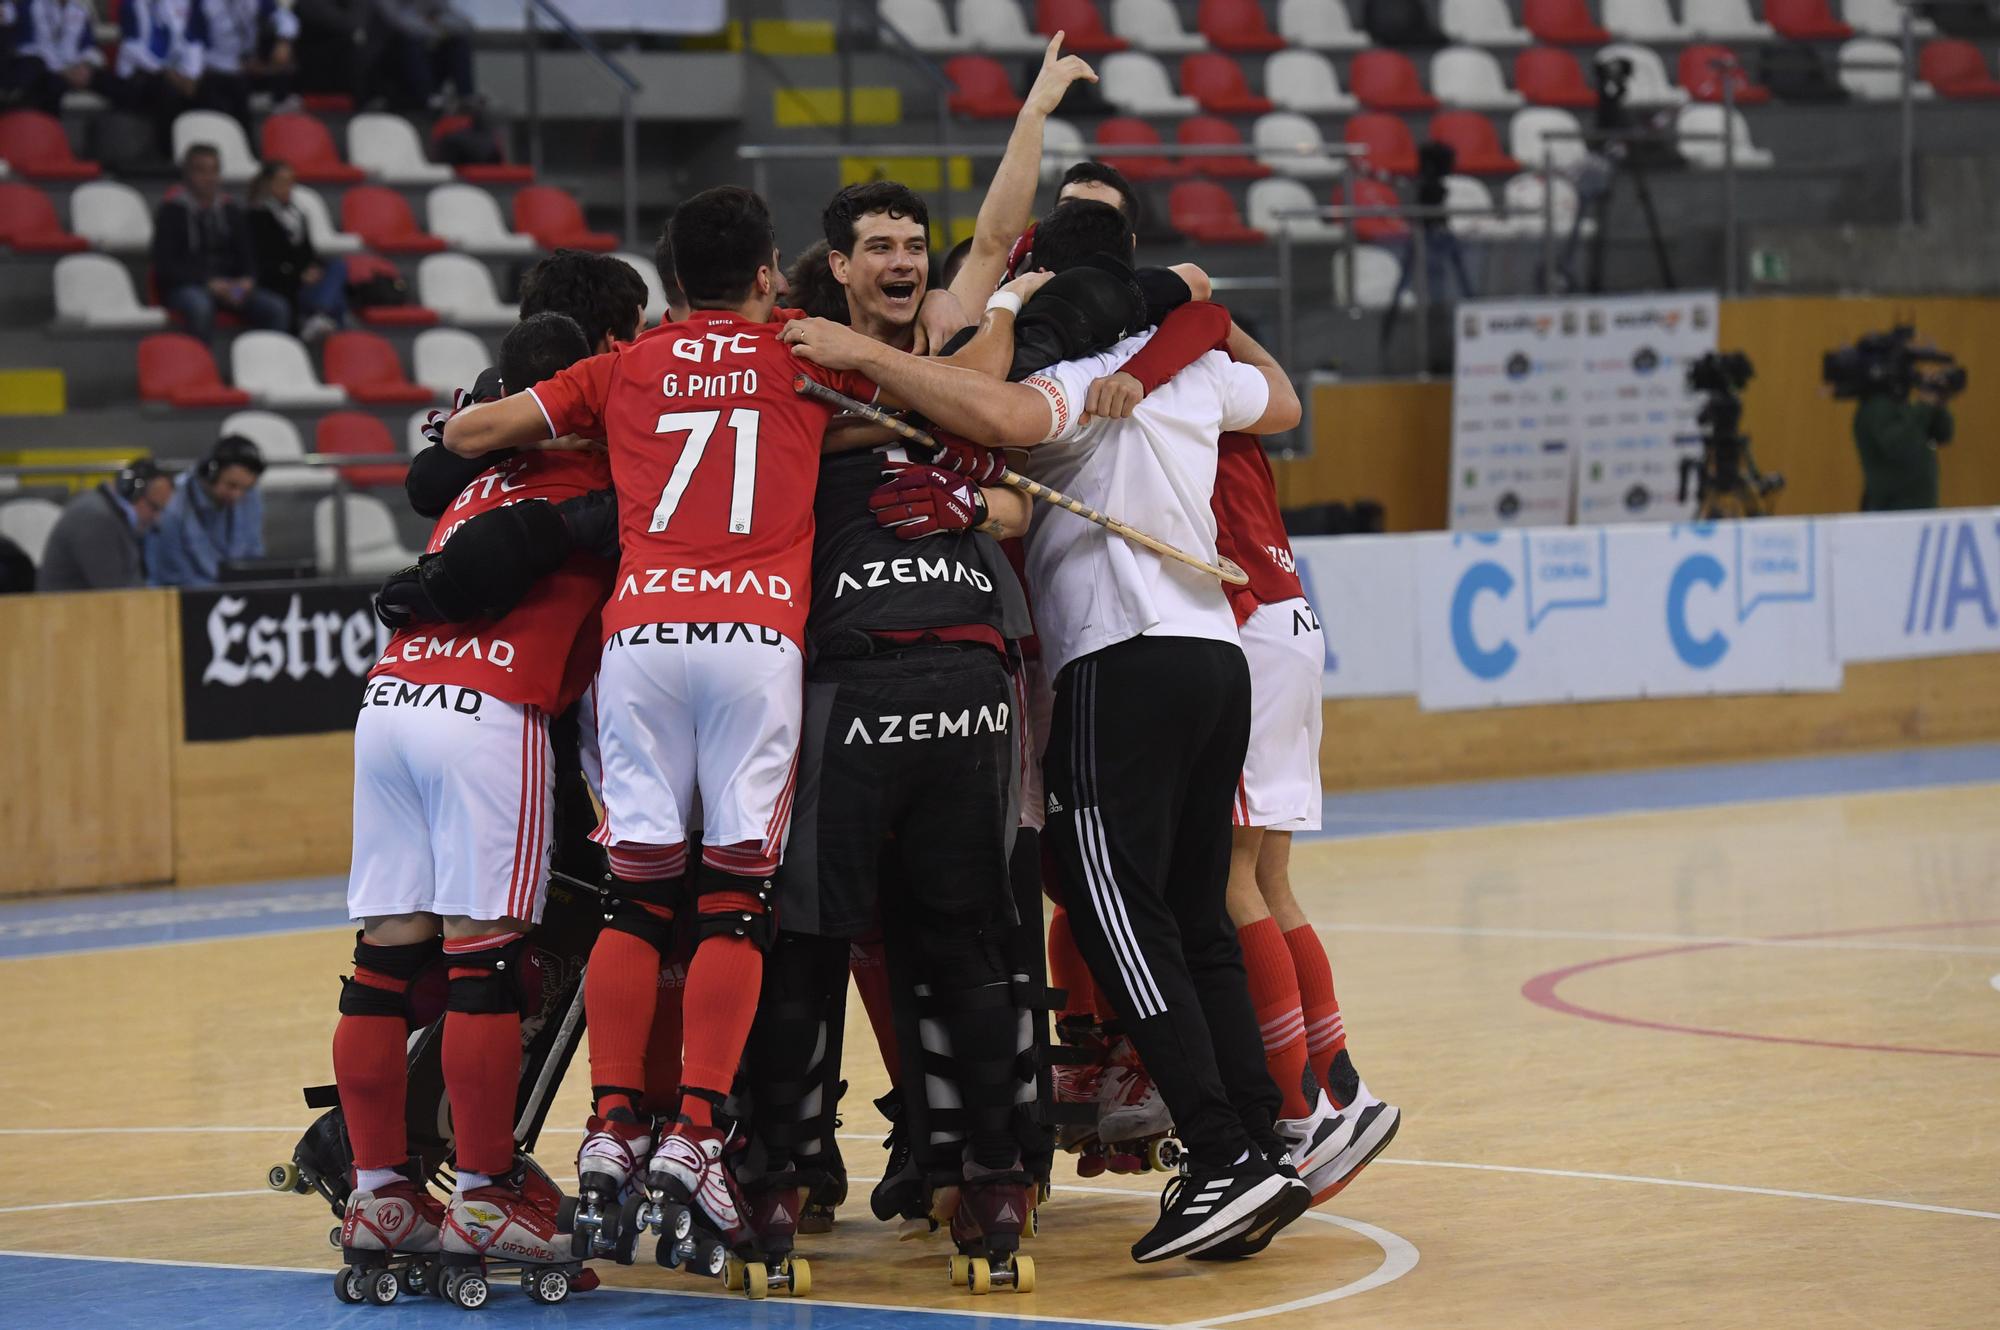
716,718
1280,787
452,803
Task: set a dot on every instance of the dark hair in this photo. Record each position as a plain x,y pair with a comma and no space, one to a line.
813,287
663,259
232,450
260,184
850,205
954,261
200,149
539,347
721,237
1078,229
1097,173
602,292
139,473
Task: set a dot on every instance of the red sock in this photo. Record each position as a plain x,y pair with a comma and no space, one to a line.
619,990
1326,1035
1274,992
871,976
371,1069
1068,972
663,1049
722,986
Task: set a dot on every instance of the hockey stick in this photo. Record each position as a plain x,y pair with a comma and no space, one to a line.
1222,568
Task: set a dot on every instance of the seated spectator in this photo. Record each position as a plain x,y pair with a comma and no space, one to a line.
202,259
333,44
216,516
55,51
162,49
287,263
249,50
17,570
431,44
96,544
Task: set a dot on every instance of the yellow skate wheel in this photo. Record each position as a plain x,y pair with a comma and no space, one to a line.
1163,1155
1024,1274
981,1278
283,1177
1034,1224
732,1275
798,1276
756,1280
961,1270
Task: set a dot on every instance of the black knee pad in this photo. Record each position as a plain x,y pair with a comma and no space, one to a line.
759,924
403,962
494,986
625,909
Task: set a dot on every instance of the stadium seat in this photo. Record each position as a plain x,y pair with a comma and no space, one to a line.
29,225
220,132
275,369
1472,136
1806,21
1643,21
460,289
1319,25
1376,274
467,217
1136,83
387,147
924,23
1562,23
1203,211
177,370
1548,76
983,90
1217,82
93,291
1701,127
1281,135
326,237
414,439
369,369
1882,18
1153,25
1957,70
1524,197
303,144
373,547
1268,198
1703,68
998,26
111,215
1724,20
1525,138
1062,146
502,172
1871,70
1237,25
27,522
1473,215
1367,193
656,291
278,439
1305,81
321,103
366,267
446,359
1388,141
1649,85
382,218
1388,81
553,218
1209,132
1469,77
1124,131
1080,24
359,432
34,145
1481,23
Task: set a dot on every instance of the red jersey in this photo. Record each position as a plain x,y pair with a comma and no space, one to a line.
544,651
715,459
1249,528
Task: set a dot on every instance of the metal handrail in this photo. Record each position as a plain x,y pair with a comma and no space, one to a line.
628,89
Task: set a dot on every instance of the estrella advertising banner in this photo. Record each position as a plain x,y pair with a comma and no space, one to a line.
276,658
1364,590
1916,584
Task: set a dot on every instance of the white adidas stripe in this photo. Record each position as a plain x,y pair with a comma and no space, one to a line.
1096,854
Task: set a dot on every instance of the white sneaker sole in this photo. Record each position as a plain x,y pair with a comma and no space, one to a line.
1226,1222
1369,1140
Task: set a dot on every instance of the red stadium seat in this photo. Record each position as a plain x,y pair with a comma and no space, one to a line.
1129,132
362,267
984,91
1391,148
1209,132
1805,21
1080,24
302,143
1387,81
1547,76
178,370
1237,25
1476,142
553,218
1703,80
479,173
1562,23
1374,194
29,224
380,216
1216,81
35,146
327,103
1957,70
368,367
359,432
1202,210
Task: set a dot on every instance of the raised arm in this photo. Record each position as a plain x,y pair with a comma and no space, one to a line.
511,422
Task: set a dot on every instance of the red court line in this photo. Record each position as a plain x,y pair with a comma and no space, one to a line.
1541,990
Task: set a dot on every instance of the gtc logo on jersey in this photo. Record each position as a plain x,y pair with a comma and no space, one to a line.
909,572
927,725
713,346
420,647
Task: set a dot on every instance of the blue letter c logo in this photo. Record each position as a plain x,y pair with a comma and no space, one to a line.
1478,660
1702,652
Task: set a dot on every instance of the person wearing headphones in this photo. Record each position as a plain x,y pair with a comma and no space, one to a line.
214,517
96,544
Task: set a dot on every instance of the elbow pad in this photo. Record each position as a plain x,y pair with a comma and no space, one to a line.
592,522
494,560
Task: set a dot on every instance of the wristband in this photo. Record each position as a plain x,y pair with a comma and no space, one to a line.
1006,300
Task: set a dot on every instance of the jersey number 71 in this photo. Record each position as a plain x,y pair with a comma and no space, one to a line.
699,426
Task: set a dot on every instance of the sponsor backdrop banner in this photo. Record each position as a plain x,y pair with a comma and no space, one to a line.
1364,590
1916,584
1575,409
283,659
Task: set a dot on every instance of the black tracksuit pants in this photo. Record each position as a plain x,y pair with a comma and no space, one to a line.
1145,750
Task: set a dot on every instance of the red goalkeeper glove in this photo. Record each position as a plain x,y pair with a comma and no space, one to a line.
919,501
980,465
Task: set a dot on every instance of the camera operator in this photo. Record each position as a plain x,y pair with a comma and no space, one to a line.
1896,434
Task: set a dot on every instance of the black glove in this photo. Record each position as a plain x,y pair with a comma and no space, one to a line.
483,571
402,601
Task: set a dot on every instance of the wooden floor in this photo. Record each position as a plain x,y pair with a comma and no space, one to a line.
1730,1067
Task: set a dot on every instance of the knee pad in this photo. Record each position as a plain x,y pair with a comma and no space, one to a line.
644,909
727,905
485,980
380,984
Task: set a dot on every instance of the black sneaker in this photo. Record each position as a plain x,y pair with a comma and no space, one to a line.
1294,1201
1203,1206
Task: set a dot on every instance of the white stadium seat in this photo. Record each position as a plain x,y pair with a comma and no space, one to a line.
1651,85
656,290
111,215
94,291
1706,119
27,522
278,439
1376,272
1481,23
223,134
460,289
468,218
1524,137
1523,197
1871,70
1062,146
1882,18
387,146
925,24
373,547
998,27
1643,21
1280,135
1268,198
1464,195
1320,25
446,359
1135,82
1154,25
327,238
1305,81
1725,20
275,369
414,439
1471,78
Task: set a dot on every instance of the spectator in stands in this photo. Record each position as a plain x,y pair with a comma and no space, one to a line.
96,544
431,45
333,44
287,263
1898,440
55,52
17,570
663,259
249,50
215,517
202,257
602,292
162,49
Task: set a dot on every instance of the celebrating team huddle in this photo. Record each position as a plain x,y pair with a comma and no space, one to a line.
849,702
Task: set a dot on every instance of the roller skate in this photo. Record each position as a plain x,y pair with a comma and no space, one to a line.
693,1203
508,1227
989,1212
1135,1133
826,1194
764,1261
389,1237
901,1192
610,1173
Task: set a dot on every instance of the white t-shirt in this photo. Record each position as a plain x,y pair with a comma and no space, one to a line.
1155,471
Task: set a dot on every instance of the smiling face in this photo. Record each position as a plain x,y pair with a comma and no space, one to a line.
886,274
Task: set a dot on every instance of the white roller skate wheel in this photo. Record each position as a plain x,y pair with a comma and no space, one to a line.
1024,1274
347,1284
382,1287
470,1291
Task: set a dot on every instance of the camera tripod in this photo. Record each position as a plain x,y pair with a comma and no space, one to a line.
1728,483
